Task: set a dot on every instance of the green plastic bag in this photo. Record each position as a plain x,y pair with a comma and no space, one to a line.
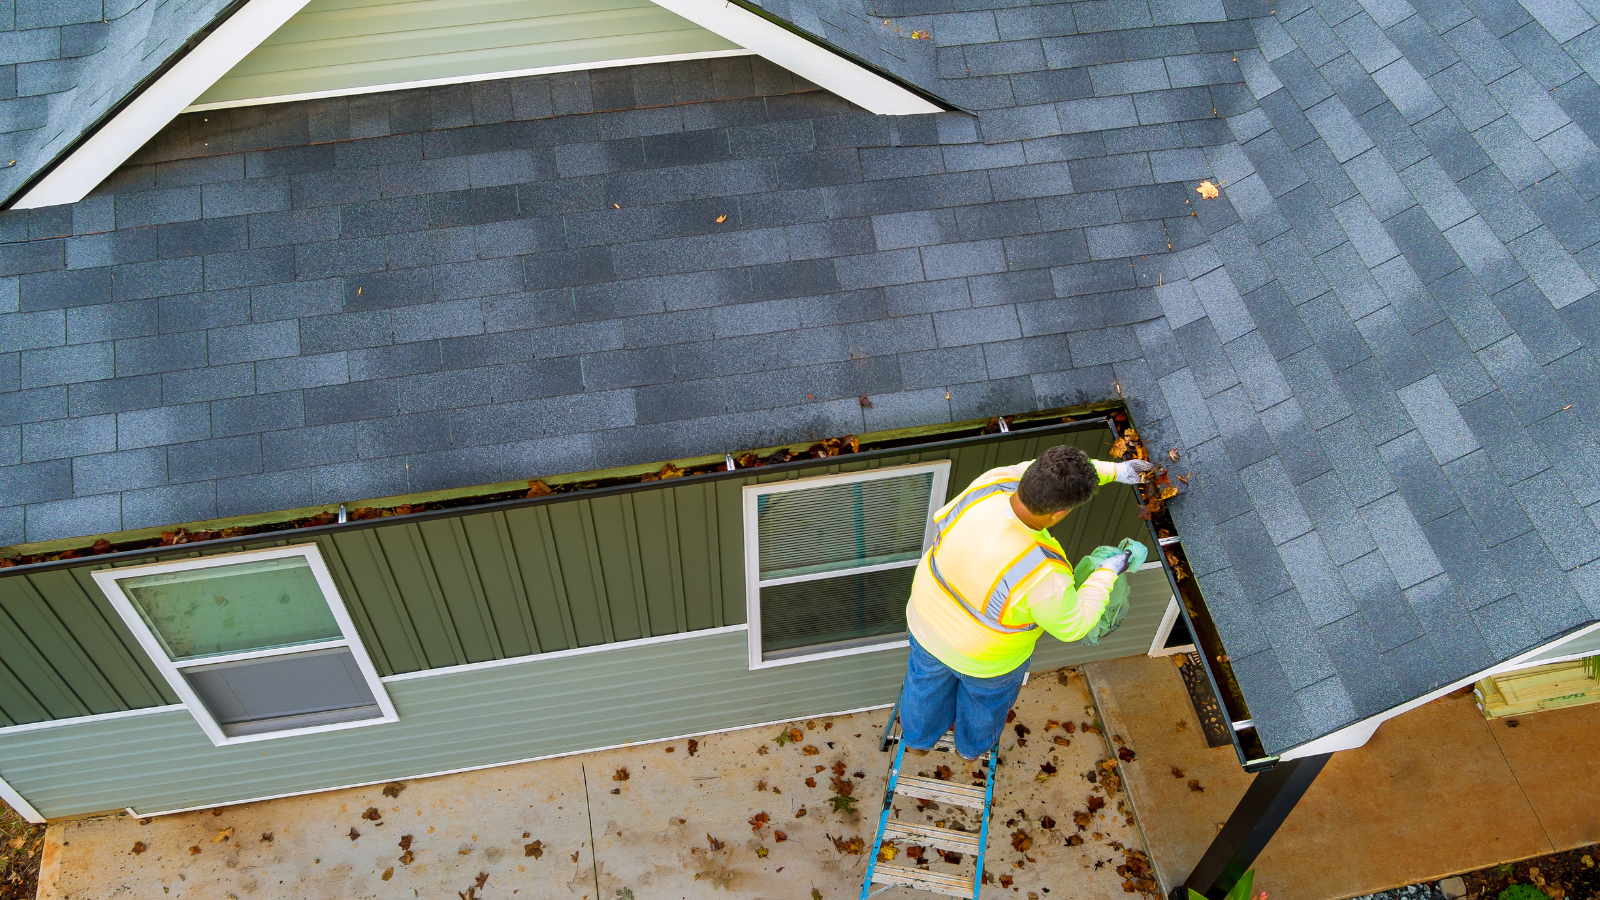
1117,606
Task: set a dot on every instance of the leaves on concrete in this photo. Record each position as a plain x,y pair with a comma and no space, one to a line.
471,893
1021,841
621,774
393,788
844,787
810,750
1177,772
388,873
811,782
779,836
405,842
759,821
535,849
887,851
353,834
1022,732
138,847
1194,785
761,852
372,814
1047,822
1096,804
1125,754
222,835
942,773
855,845
194,850
841,803
789,736
715,844
694,747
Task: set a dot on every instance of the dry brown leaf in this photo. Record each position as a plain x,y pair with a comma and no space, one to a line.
1021,841
138,847
407,857
393,788
388,873
810,750
779,836
222,835
535,849
722,218
372,814
811,782
353,834
759,821
1194,785
621,774
195,849
761,852
715,844
1207,190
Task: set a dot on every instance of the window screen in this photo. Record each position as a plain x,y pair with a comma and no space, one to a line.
255,643
834,557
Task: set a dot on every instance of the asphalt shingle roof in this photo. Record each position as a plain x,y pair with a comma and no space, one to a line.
65,64
1375,350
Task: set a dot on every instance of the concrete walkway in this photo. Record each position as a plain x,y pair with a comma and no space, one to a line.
652,819
1436,791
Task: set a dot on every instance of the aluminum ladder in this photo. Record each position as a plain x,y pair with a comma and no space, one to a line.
881,875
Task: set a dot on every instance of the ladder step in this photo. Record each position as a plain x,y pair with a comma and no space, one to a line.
966,795
932,835
937,882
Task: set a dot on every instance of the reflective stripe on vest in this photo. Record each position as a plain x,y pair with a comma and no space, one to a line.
1014,574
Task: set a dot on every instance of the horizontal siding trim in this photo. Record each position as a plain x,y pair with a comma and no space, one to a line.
90,720
559,654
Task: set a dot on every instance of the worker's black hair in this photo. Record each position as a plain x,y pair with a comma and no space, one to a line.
1061,478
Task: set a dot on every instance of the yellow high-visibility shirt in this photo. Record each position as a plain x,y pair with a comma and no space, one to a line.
986,541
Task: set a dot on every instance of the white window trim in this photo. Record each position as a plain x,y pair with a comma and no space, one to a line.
108,580
1164,630
752,548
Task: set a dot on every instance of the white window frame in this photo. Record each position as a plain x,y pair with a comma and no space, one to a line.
1169,620
752,551
109,582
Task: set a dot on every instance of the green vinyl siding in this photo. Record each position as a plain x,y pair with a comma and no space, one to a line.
488,584
344,45
455,719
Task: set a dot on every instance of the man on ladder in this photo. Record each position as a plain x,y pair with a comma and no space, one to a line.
995,580
992,580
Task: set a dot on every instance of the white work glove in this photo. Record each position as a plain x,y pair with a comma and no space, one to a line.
1129,472
1119,563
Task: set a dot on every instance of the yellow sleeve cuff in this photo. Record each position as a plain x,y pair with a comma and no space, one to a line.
1106,470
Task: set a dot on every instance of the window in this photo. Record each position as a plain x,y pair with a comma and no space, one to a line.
829,560
256,644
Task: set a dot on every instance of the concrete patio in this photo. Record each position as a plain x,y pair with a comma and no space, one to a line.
1436,791
679,826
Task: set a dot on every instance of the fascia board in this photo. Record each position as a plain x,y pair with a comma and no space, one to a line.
811,61
132,127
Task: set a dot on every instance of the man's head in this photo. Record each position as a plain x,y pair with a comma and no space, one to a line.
1060,479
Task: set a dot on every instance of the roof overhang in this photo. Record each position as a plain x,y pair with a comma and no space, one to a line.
1358,733
117,138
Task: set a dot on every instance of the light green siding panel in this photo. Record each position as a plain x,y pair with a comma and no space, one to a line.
405,559
501,582
729,548
572,527
334,45
659,573
47,688
161,761
614,549
454,576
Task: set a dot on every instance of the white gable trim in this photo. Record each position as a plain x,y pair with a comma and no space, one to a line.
811,61
176,90
131,128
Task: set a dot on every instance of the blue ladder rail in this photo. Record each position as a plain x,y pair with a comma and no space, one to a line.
887,877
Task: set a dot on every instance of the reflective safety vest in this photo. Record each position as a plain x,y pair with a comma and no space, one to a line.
982,561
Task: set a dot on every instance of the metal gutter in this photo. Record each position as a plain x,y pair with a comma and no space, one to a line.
148,553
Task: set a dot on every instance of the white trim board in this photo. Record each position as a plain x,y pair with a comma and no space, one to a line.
131,128
467,79
811,61
17,802
1357,734
513,762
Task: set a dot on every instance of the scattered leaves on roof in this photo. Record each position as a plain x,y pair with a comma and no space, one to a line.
1207,190
920,35
722,218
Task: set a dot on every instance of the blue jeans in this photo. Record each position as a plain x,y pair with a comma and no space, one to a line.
936,695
